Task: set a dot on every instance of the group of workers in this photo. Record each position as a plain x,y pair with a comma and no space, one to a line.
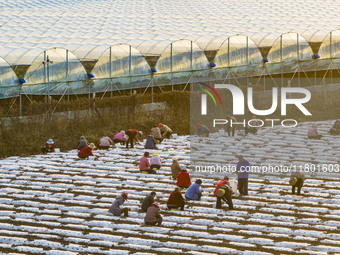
161,131
253,125
313,131
127,138
193,191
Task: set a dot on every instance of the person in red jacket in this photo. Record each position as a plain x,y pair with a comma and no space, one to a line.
223,192
86,151
132,135
183,179
224,181
176,200
49,146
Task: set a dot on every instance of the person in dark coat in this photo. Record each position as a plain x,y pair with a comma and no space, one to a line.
202,130
253,126
231,125
223,192
116,209
175,168
176,200
153,215
297,179
183,178
82,143
148,201
335,130
150,143
242,170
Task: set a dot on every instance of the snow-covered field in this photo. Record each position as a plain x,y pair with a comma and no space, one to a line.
273,147
55,204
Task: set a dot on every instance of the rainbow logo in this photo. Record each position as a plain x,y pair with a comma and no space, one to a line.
209,93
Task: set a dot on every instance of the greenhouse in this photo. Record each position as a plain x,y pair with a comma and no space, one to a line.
58,71
56,49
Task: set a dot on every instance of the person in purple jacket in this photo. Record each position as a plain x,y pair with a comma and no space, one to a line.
242,171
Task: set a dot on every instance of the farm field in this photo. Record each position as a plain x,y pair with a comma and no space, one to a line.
56,204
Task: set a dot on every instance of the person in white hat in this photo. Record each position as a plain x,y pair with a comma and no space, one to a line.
49,146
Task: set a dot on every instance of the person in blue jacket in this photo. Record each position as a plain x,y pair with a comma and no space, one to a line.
194,192
242,170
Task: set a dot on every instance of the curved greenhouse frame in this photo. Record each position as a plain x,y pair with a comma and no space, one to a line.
289,54
330,47
120,67
9,82
238,50
121,60
290,47
182,55
179,62
54,71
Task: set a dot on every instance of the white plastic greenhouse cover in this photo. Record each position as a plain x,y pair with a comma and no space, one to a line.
9,83
83,26
330,47
182,55
55,65
238,50
290,47
210,43
121,60
314,36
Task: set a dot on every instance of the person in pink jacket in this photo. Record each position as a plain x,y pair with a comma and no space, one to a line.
120,138
313,133
105,142
144,164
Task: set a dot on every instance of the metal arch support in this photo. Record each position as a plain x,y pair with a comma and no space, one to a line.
150,83
188,82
